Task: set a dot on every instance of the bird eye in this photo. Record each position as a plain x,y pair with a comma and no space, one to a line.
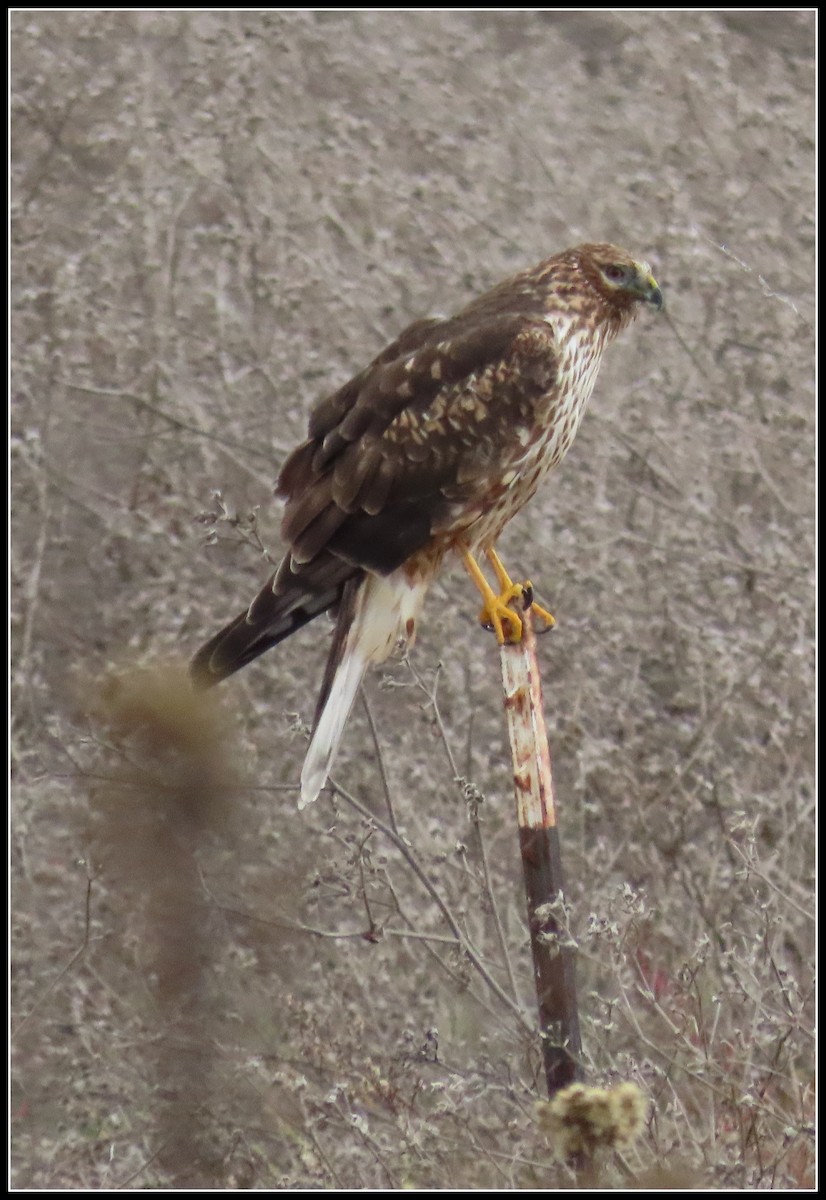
614,272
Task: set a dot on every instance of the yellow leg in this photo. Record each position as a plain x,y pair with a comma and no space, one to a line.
496,612
506,583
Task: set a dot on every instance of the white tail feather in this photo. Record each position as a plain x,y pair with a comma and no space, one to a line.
387,609
327,735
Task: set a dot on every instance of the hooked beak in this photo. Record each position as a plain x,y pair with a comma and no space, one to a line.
647,288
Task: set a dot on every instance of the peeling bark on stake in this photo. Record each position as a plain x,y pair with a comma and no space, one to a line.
541,859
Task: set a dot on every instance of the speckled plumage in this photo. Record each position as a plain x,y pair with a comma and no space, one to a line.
434,446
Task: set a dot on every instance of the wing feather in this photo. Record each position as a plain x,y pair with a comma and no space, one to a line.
353,475
307,506
376,491
424,428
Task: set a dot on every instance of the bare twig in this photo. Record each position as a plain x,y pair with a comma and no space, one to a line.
490,891
66,968
374,733
470,951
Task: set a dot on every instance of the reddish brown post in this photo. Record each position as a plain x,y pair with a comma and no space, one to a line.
553,957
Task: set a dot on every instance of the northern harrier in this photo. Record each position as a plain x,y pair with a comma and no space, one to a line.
433,448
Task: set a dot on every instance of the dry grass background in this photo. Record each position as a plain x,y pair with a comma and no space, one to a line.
216,218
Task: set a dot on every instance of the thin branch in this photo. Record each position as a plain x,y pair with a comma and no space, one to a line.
490,891
468,948
472,797
374,733
68,966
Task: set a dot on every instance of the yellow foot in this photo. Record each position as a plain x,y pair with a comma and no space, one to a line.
507,585
497,613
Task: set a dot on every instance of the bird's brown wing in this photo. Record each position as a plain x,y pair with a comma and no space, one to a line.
394,455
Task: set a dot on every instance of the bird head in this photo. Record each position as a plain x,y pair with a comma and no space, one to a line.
621,281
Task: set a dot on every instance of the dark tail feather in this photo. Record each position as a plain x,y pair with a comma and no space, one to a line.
240,642
291,598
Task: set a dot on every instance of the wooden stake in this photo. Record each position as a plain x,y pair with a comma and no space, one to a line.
536,816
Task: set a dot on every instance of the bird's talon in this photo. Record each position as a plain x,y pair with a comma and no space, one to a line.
544,615
501,618
527,595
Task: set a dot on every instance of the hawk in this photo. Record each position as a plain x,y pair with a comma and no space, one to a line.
430,450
